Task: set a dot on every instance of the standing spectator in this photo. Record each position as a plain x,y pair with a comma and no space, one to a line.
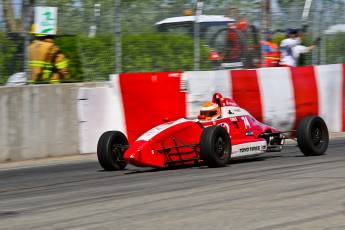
47,63
291,49
271,51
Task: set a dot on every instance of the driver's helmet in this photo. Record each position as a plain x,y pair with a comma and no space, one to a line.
210,110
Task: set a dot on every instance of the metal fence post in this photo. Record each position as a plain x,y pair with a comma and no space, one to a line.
264,28
26,38
118,51
198,12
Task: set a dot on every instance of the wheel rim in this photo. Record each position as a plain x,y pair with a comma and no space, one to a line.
117,155
317,136
220,148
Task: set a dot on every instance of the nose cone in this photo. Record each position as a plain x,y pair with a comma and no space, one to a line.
142,154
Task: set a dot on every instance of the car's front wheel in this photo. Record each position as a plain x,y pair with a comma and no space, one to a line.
110,149
215,146
312,136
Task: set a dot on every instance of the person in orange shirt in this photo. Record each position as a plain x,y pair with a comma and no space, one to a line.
271,51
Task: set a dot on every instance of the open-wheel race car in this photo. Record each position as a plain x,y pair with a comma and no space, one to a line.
222,131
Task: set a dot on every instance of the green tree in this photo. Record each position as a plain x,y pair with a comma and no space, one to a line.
336,48
167,53
94,58
7,62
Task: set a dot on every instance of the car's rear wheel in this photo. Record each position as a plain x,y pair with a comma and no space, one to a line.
215,146
110,149
312,136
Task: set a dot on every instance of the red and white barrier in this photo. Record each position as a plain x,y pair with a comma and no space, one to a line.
132,104
330,86
276,96
147,98
201,85
280,97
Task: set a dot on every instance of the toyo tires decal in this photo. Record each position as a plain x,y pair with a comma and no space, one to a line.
248,149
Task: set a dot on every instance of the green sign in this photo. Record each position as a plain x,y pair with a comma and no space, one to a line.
45,20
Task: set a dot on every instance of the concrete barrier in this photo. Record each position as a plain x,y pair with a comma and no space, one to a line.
39,121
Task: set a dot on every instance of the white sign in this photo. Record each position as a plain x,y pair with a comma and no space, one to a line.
45,20
199,6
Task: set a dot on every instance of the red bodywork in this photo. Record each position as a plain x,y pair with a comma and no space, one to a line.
177,142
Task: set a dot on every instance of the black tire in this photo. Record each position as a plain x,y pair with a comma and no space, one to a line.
312,136
110,149
215,146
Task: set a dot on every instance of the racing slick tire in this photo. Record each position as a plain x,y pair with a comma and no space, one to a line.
312,136
110,150
215,146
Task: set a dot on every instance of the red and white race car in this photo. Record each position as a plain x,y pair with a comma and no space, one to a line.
223,131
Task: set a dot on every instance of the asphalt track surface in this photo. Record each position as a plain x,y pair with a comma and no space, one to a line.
276,191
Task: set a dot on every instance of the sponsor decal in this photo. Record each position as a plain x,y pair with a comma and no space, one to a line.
233,119
174,75
246,122
229,103
250,149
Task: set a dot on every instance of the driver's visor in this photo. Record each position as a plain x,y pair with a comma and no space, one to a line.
208,113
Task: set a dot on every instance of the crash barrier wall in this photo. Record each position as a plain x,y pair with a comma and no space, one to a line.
276,96
40,121
136,102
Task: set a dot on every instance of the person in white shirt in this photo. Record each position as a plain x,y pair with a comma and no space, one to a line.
291,49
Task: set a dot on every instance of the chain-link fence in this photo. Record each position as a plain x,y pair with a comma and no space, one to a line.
108,37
